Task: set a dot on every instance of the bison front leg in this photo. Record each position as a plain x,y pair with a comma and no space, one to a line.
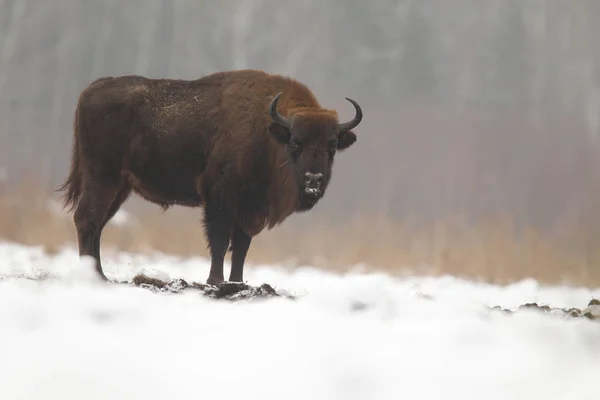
218,224
240,243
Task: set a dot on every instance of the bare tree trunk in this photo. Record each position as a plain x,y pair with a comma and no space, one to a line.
7,50
144,53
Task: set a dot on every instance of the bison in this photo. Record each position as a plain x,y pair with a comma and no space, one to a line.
249,147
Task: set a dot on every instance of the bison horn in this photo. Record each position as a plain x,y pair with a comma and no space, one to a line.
280,119
346,126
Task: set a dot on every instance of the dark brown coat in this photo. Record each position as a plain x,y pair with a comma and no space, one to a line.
227,142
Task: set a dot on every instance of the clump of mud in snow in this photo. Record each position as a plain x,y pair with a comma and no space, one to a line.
592,311
233,291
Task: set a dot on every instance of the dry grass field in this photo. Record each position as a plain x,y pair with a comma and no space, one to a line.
492,250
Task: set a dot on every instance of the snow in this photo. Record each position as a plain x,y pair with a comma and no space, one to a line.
67,336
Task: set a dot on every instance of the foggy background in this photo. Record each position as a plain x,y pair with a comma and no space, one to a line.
471,108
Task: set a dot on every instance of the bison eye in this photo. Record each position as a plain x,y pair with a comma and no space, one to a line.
295,147
333,145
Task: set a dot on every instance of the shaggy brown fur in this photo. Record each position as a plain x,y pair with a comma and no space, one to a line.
250,147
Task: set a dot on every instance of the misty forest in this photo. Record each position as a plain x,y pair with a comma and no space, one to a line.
476,114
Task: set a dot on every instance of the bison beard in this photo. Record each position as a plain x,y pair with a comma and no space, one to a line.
251,148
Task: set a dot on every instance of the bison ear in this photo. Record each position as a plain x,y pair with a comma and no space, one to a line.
279,132
346,139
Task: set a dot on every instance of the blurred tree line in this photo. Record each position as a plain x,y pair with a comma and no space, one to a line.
471,107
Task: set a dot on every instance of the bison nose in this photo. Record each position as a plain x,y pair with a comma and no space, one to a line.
313,183
314,178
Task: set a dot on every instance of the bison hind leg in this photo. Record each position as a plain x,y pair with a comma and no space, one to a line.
99,203
121,197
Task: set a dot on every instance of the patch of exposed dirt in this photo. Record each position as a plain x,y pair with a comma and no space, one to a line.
591,312
237,291
232,291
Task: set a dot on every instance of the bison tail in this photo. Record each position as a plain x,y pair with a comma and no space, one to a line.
72,187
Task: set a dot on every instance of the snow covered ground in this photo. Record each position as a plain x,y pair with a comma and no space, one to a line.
66,336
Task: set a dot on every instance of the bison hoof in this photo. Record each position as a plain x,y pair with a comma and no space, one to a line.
214,281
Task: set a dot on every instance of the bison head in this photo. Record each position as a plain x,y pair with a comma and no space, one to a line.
312,137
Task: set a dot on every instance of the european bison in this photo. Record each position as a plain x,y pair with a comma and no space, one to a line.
250,147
